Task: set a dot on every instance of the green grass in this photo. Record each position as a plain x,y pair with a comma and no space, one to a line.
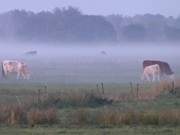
91,131
13,93
9,93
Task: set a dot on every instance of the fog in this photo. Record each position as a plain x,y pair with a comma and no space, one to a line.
88,63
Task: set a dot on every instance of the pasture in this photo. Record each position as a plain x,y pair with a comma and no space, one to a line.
65,94
94,131
87,109
83,64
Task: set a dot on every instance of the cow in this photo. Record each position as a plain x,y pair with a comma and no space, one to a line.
151,73
14,66
164,67
31,53
103,53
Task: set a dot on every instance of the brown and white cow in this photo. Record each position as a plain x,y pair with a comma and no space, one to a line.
166,71
14,66
151,73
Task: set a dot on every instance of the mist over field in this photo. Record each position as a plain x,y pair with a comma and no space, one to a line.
86,63
72,47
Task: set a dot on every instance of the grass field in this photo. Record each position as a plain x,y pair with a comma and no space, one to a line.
65,94
90,100
92,131
88,109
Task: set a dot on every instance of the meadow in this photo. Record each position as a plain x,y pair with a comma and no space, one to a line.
75,91
95,131
90,109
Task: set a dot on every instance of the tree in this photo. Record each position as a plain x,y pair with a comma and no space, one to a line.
134,32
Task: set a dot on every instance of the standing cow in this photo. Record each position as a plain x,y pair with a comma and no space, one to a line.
14,66
151,73
164,68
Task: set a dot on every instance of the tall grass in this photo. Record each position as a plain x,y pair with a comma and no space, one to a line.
43,108
75,99
44,116
21,115
111,118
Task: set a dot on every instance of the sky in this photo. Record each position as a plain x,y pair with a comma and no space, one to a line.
99,7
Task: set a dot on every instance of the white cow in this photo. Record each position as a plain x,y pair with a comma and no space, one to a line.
14,66
151,73
166,71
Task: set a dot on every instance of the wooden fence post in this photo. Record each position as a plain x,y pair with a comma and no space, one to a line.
97,87
38,98
137,91
46,91
45,88
131,89
102,86
173,87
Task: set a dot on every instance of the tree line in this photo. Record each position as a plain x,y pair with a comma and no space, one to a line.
70,25
146,27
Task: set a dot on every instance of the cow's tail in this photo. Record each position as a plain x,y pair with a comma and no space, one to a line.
3,72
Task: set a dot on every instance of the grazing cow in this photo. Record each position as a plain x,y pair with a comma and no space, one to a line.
151,73
14,66
164,67
103,53
31,53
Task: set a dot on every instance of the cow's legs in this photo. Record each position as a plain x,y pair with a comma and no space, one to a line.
172,77
148,77
18,75
145,77
158,77
153,77
5,74
24,76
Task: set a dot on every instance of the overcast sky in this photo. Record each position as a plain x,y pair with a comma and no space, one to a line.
103,7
